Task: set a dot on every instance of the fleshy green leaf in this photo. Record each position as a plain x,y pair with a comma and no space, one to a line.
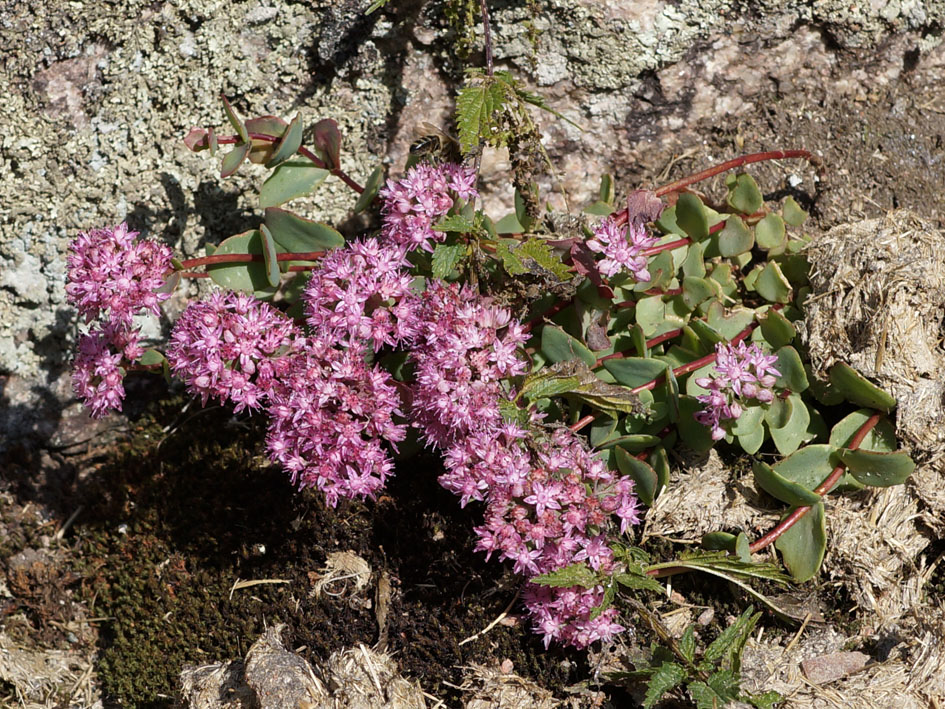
573,575
641,473
290,143
327,141
694,263
269,256
793,376
693,433
729,323
811,465
777,329
371,188
792,212
770,232
294,178
151,358
445,258
233,159
772,285
238,125
878,469
802,546
881,438
857,389
295,234
698,290
791,435
634,371
744,195
735,238
249,277
780,487
262,150
559,346
691,217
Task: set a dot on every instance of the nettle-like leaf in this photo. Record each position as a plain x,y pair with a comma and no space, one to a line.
477,106
574,575
534,256
446,257
667,676
457,223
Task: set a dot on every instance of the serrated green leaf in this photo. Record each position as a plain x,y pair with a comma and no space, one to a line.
526,257
445,258
768,700
803,546
687,644
476,106
573,575
856,388
295,234
878,469
744,195
667,676
291,141
780,487
270,260
458,223
583,384
293,178
371,188
735,238
727,644
792,212
639,581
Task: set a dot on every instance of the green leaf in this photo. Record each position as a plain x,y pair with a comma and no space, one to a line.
641,473
151,358
793,376
751,442
691,217
559,346
583,384
744,195
659,461
687,644
772,285
573,575
606,191
802,546
794,432
327,141
667,676
634,442
639,581
248,277
694,263
881,438
708,335
475,107
296,234
270,260
371,188
792,212
458,223
539,101
445,258
768,700
726,647
778,331
770,232
237,124
667,222
729,323
273,126
290,143
857,389
698,290
599,209
810,465
693,433
651,313
602,428
509,224
375,6
735,238
780,487
878,469
751,418
233,159
532,256
779,412
294,178
635,371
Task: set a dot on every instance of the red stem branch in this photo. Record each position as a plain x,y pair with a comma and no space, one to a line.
246,258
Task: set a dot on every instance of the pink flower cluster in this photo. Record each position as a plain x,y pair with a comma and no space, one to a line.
465,348
360,295
622,247
548,504
741,373
414,204
111,278
232,347
328,418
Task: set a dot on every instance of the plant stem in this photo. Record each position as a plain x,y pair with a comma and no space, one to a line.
246,258
821,489
303,151
486,37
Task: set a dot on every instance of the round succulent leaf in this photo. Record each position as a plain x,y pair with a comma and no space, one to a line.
602,428
708,335
651,314
788,438
811,465
694,263
672,396
792,212
151,358
270,257
750,420
719,541
667,222
662,270
641,473
751,442
729,323
291,141
327,141
635,371
235,121
509,224
659,461
770,232
779,412
743,547
772,285
296,234
878,469
677,356
803,546
780,488
778,331
744,195
639,341
881,438
693,389
262,150
599,209
559,346
691,217
293,178
698,290
691,432
735,238
793,375
856,388
824,392
233,159
796,268
633,442
247,277
722,274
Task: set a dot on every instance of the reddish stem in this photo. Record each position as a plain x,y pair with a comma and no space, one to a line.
247,258
303,151
737,162
821,489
